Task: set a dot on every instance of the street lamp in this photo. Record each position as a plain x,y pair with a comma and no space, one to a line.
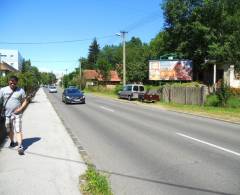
122,34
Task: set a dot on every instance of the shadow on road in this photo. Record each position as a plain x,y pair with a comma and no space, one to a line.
195,189
29,141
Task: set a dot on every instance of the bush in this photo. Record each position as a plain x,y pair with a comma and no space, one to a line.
187,84
118,88
233,102
96,183
223,93
212,100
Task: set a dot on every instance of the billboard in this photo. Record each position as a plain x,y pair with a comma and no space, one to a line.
170,70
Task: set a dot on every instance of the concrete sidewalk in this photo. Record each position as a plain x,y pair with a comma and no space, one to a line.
51,164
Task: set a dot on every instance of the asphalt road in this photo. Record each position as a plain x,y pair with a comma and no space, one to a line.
153,151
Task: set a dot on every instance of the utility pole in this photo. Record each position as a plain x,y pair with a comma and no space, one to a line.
80,72
62,80
214,76
65,83
122,34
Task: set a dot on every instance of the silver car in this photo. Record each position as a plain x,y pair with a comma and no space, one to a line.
52,89
131,91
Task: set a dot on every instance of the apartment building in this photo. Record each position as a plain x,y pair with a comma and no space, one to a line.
12,58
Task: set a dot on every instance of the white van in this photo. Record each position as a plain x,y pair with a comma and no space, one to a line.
131,91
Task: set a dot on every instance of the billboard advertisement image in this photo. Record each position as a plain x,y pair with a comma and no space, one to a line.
170,70
154,70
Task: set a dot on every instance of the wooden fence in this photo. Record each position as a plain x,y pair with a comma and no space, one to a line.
184,95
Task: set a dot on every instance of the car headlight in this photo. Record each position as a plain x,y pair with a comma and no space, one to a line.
83,97
67,97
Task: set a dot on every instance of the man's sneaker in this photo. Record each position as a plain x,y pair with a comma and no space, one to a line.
12,144
21,150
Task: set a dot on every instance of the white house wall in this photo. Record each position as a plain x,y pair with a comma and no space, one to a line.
12,58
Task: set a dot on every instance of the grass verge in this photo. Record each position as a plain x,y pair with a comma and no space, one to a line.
228,114
95,183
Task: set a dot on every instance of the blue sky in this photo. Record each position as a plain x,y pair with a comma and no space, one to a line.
30,21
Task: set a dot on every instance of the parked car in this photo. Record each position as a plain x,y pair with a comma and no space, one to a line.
149,96
131,91
73,95
52,89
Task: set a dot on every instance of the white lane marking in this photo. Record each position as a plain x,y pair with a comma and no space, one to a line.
105,108
209,144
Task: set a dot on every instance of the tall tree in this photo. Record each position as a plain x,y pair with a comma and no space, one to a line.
26,66
158,45
93,52
108,59
204,29
136,67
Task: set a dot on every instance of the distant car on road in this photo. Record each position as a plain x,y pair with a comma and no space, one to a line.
52,89
131,91
73,96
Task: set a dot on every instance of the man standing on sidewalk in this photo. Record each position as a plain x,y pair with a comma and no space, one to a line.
13,111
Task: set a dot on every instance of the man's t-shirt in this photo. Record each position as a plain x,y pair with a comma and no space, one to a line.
15,100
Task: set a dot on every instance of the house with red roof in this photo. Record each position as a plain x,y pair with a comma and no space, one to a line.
94,77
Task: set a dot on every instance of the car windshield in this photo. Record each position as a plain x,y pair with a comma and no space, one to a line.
73,90
52,87
127,88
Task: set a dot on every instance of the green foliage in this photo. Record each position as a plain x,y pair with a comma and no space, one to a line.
223,93
233,102
29,79
84,63
212,100
187,84
157,45
96,183
137,67
47,78
3,81
94,50
108,59
26,66
203,29
118,88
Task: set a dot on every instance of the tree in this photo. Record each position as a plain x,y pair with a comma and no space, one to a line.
158,46
136,66
84,63
203,29
47,78
94,50
26,66
107,60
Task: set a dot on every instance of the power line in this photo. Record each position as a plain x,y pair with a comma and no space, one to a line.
144,20
149,18
53,61
53,42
